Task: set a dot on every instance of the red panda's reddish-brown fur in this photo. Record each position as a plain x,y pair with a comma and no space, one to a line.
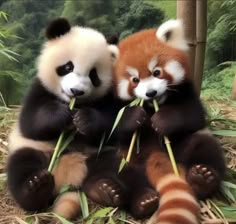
146,44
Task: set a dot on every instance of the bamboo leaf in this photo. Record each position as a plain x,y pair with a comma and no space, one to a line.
111,221
101,143
122,164
226,133
122,217
119,116
4,15
63,220
135,102
57,149
65,188
68,140
102,213
84,204
228,184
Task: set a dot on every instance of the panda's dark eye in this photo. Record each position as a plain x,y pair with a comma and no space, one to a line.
156,72
135,80
65,69
93,75
69,68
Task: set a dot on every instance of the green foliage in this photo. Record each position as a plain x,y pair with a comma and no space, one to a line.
139,16
168,6
22,31
218,82
221,32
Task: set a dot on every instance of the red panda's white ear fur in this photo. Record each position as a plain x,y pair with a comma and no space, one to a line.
172,33
114,52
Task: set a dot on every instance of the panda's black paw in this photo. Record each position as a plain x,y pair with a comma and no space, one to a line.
145,203
106,192
40,184
203,179
84,121
37,191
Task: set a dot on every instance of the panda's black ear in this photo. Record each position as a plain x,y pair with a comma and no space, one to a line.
113,40
57,28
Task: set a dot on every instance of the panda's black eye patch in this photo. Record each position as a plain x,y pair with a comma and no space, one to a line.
94,77
65,69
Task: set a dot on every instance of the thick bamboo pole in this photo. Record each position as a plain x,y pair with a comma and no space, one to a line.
186,11
201,43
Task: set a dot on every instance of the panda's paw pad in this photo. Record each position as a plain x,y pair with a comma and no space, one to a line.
146,204
202,178
41,179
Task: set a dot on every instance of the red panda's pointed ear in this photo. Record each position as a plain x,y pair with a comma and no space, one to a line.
172,33
114,50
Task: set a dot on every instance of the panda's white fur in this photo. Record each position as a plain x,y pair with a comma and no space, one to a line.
85,47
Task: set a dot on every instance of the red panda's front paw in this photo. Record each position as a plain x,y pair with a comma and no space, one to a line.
159,125
134,118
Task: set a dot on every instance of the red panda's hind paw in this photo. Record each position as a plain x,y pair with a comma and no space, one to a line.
145,204
203,179
106,192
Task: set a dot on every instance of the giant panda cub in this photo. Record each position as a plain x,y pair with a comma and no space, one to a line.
153,64
74,62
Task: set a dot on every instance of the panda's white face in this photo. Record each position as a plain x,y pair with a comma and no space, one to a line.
78,63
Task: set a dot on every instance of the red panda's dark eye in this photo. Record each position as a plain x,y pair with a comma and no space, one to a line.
156,73
135,80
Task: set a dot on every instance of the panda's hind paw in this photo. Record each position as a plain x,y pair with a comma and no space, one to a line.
40,181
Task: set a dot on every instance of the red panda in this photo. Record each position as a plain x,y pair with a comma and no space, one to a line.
153,64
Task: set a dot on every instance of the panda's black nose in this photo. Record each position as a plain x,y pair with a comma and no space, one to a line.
77,92
151,93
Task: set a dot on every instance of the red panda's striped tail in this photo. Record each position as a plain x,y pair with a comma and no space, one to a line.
177,202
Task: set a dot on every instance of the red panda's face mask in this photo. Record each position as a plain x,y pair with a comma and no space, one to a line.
151,61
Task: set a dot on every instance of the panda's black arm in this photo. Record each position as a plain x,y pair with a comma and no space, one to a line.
43,115
46,121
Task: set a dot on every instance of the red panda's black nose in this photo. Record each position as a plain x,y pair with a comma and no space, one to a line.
151,93
76,92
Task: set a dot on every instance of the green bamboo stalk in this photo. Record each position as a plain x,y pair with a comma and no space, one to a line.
168,146
133,140
59,142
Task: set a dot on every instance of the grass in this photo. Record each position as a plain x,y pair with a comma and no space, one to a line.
220,209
